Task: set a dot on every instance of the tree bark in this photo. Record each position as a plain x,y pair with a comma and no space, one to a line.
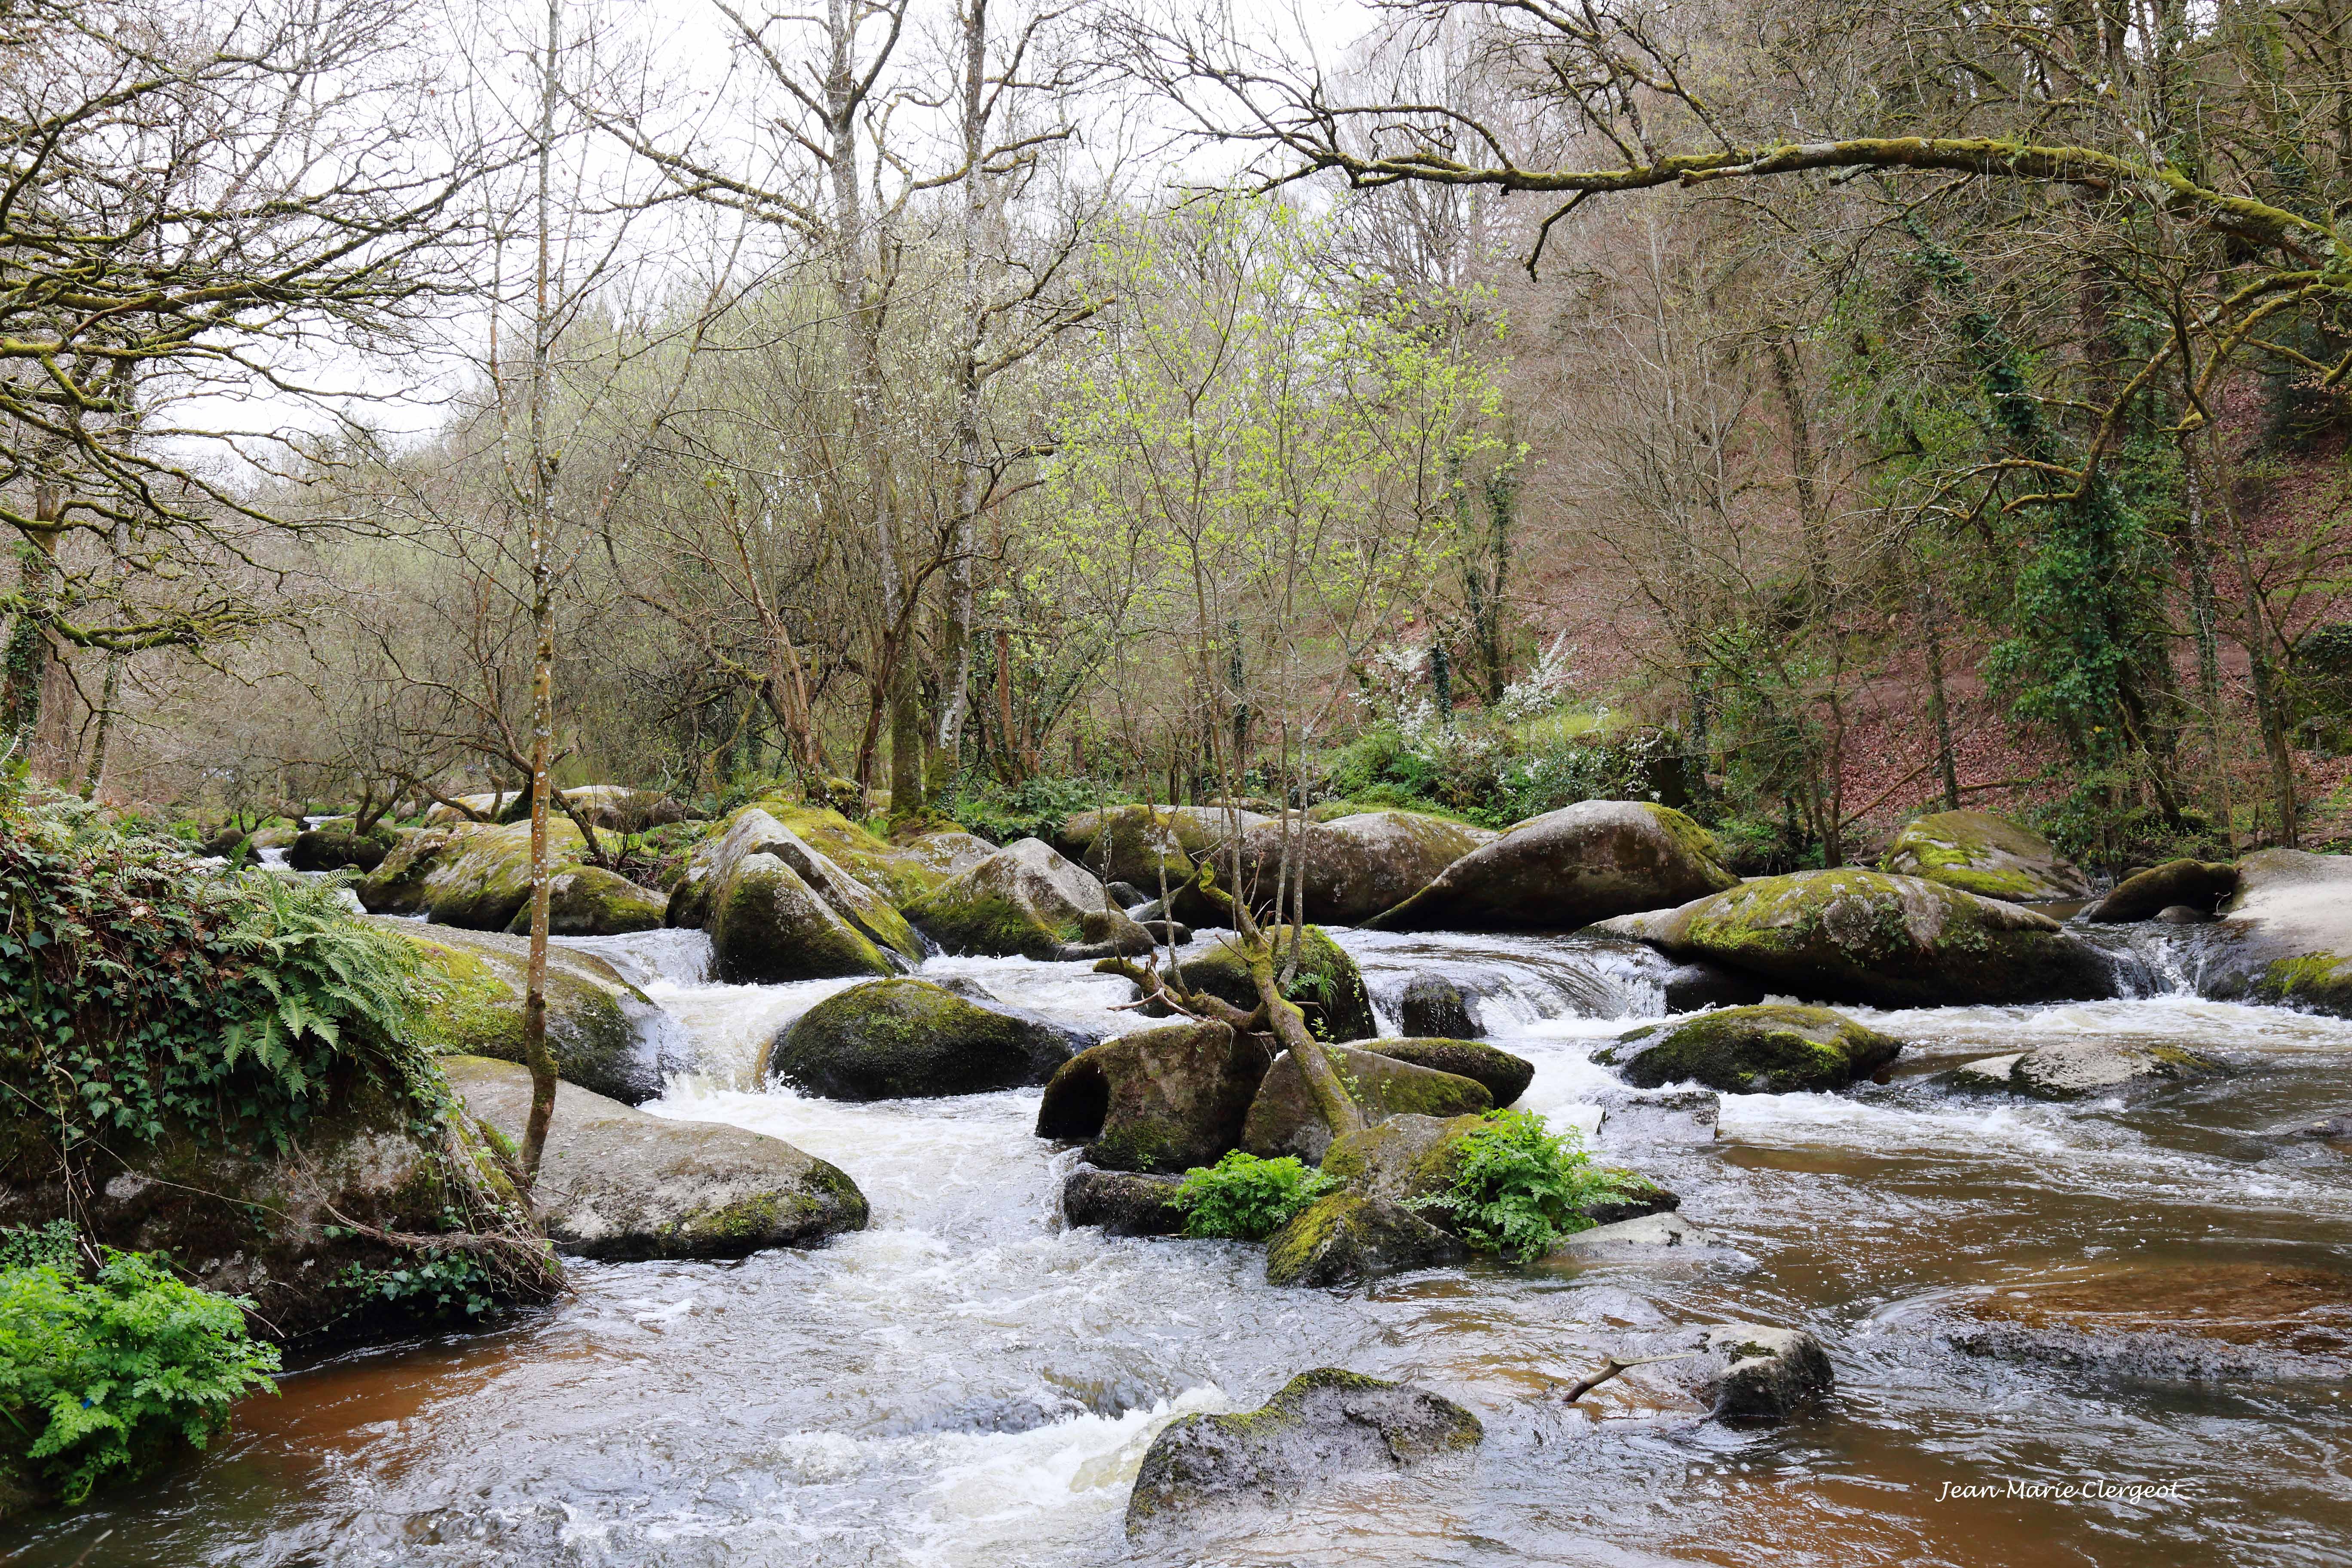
955,645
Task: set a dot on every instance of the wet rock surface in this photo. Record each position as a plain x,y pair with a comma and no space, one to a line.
1434,1007
2074,1070
1123,1203
1772,1049
1344,1237
2171,1319
614,1182
1163,1099
903,1038
1282,1120
2285,936
1744,1372
1322,1427
2197,885
1569,869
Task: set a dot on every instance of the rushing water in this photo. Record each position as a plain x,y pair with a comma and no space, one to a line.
969,1383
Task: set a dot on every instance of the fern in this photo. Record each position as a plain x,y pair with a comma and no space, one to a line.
1246,1198
1519,1188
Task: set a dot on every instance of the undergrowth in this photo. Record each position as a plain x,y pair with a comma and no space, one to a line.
1520,1188
1246,1198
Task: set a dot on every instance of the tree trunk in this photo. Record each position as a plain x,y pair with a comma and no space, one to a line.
955,645
2208,647
2268,710
1931,623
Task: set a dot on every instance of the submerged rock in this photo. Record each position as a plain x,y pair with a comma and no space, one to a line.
1989,856
1435,1007
2071,1069
2171,1319
891,1039
1658,1227
1164,1100
1852,935
1321,1427
1342,1237
1327,987
1028,901
615,1182
2286,935
1507,1076
1751,1371
608,1036
589,900
1355,867
1569,869
1124,1203
1668,1119
1283,1119
2199,885
1772,1049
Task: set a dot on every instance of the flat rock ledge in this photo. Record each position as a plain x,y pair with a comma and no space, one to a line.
1323,1426
618,1184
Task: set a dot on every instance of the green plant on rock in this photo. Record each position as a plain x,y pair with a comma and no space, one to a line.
110,1373
1519,1188
1246,1198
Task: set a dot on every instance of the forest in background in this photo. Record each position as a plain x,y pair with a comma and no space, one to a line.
1809,412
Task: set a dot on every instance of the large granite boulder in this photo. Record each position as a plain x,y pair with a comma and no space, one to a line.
772,901
1991,856
2074,1069
1322,1426
1413,1159
900,871
291,1228
498,806
1868,937
2198,885
1343,1237
892,1039
2285,936
618,808
1164,1100
1123,1203
615,1182
1507,1076
1283,1119
1777,1049
337,849
1028,901
396,884
608,1036
480,875
589,900
1327,986
1568,869
1136,844
1355,867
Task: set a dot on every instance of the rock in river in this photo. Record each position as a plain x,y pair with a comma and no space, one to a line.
1743,1370
1282,1120
1435,1007
1163,1099
1775,1048
1569,869
1124,1203
779,909
2168,1317
1507,1076
2286,935
1991,856
615,1182
1359,865
1342,1237
889,1039
1028,901
1327,987
1852,935
608,1036
2072,1069
2199,885
589,900
334,848
1320,1427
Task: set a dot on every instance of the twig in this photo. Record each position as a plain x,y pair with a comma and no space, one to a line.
1615,1366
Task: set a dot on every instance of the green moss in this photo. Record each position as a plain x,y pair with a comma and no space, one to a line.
2320,979
1328,987
1770,1049
1290,1249
471,1010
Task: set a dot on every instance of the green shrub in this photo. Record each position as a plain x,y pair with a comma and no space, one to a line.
1519,1187
1034,809
1246,1198
111,1373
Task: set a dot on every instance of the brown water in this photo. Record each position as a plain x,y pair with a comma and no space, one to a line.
968,1382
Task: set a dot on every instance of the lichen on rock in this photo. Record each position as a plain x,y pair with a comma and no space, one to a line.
1989,856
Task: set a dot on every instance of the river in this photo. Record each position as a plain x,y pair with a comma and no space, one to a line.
967,1382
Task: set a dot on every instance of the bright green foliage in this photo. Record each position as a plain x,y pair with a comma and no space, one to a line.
1246,1198
1519,1187
110,1373
1035,808
136,991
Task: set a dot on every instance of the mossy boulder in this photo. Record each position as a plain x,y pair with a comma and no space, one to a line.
1343,1237
1870,937
1164,1100
482,875
1123,1203
620,809
1569,869
607,1035
1137,844
589,900
895,1039
396,885
1434,1007
2199,885
1507,1076
2076,1070
1327,987
1772,1049
1355,867
1402,1159
339,849
2285,936
1989,856
283,1226
779,908
1321,1426
1283,1119
1025,901
900,872
614,1182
